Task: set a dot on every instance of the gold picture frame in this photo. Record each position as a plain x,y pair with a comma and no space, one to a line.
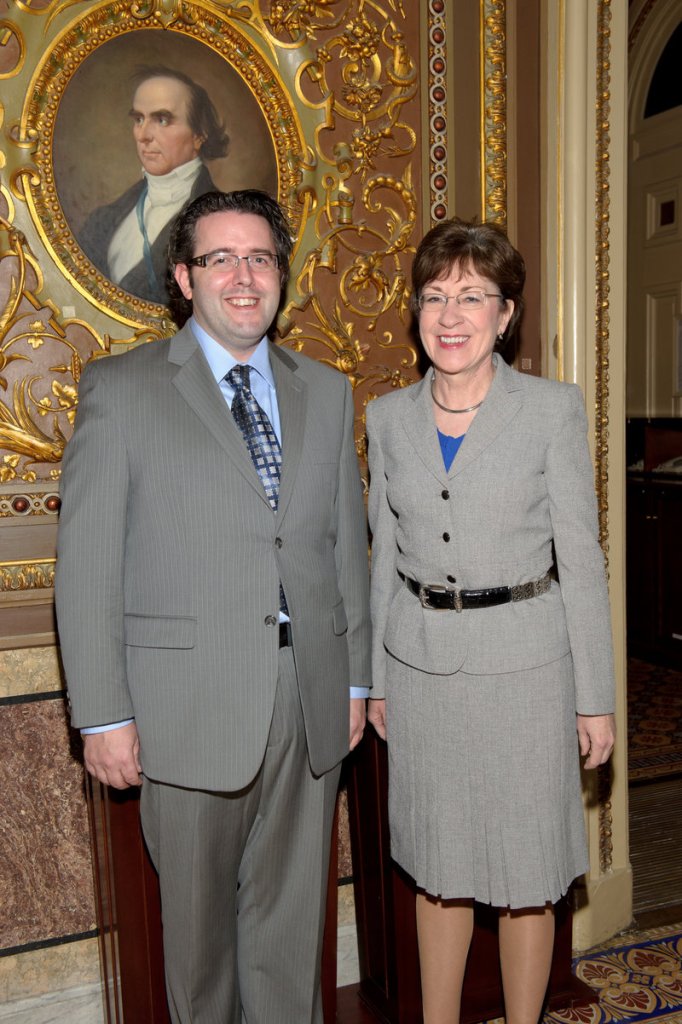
77,107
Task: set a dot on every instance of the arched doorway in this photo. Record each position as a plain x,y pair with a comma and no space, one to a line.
654,442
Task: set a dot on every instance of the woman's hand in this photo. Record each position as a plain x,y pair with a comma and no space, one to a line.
376,712
597,734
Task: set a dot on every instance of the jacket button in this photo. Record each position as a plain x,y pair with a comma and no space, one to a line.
445,495
446,537
451,579
278,542
270,620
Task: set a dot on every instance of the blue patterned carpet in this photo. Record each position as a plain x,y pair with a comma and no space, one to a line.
637,982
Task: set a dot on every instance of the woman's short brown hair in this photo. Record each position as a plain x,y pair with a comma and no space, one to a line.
484,248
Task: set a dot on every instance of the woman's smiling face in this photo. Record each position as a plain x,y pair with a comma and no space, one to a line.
458,339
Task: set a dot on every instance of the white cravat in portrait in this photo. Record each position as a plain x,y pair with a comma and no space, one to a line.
166,195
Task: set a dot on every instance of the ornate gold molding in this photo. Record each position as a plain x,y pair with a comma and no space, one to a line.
494,111
27,575
41,357
602,336
438,111
18,506
602,260
639,23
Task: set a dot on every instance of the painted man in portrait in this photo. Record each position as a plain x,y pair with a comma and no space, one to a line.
176,129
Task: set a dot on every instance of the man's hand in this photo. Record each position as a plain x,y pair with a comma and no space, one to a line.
377,716
357,720
597,734
113,757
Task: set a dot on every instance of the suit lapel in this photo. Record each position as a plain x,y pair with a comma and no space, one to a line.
420,427
292,403
195,383
502,402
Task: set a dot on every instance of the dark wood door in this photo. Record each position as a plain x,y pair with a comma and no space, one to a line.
654,569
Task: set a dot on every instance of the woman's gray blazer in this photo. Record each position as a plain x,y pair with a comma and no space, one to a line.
520,488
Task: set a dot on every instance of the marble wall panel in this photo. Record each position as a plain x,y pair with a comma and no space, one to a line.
345,863
52,969
46,882
30,670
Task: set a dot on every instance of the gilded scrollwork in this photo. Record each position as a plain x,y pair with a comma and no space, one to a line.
27,575
166,12
300,19
338,85
38,402
365,217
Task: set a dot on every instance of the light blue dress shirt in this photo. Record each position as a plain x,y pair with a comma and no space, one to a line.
263,390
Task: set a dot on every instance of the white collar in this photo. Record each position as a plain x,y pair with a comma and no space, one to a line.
171,187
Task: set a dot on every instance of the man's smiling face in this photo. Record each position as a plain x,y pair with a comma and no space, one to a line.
235,305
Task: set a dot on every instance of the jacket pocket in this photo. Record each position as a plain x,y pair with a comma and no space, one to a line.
178,632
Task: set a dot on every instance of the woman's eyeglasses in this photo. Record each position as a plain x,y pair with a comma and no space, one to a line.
473,298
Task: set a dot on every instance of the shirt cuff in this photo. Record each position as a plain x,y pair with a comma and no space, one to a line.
361,692
105,728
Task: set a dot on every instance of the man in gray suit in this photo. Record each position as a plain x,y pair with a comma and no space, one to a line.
212,608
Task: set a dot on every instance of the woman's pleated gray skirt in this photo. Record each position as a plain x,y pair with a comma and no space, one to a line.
484,783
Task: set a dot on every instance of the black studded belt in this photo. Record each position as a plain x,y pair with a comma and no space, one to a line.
453,599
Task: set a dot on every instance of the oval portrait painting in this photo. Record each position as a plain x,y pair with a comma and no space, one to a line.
148,122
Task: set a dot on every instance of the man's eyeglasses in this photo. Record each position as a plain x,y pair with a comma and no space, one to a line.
258,261
473,298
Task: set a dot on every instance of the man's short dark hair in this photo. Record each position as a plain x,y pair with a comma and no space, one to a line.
183,233
203,116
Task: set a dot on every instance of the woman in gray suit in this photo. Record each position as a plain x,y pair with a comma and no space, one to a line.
492,650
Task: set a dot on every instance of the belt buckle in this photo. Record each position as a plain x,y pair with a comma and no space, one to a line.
425,602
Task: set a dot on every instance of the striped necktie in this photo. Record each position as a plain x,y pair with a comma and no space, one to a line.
257,431
261,440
